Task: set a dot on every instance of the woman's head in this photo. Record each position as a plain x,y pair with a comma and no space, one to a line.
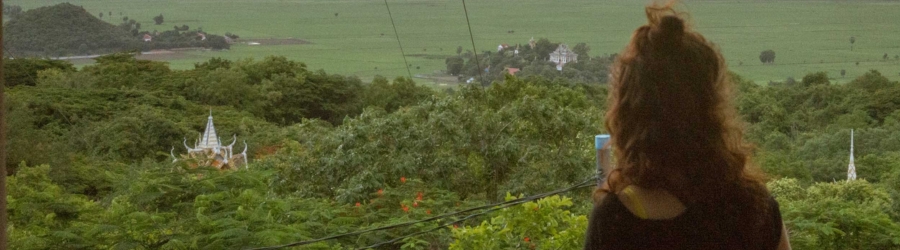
671,121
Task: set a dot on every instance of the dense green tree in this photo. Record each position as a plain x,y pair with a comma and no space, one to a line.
582,50
24,71
839,215
516,228
122,70
269,67
42,214
392,96
213,64
542,49
871,82
225,87
454,65
815,79
767,56
884,102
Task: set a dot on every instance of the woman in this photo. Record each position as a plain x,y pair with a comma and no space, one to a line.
683,178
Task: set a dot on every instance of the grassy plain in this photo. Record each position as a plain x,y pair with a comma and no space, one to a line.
807,36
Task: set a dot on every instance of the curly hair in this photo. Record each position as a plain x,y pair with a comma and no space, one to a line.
672,123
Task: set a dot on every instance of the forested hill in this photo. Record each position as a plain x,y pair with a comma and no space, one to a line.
63,29
89,151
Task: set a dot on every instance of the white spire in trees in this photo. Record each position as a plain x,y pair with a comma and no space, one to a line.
851,169
209,151
209,139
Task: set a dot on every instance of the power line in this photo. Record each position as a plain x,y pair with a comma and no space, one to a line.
442,226
474,50
398,40
490,207
586,183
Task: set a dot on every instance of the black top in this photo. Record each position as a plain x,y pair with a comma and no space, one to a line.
613,226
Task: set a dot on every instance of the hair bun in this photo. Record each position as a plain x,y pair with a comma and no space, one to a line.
668,31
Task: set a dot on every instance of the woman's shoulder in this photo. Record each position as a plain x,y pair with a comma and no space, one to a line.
642,204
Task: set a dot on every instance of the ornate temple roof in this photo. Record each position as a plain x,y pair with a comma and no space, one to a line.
208,150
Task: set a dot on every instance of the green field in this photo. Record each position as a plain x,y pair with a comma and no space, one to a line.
807,36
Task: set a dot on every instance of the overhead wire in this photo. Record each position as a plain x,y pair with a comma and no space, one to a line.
488,208
586,183
474,49
406,63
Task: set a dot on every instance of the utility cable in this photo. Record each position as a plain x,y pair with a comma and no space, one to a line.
474,50
584,184
405,63
492,207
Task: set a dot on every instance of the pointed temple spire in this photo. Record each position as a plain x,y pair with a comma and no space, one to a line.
209,139
851,169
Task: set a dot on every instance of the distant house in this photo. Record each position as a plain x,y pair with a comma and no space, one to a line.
228,40
511,71
147,38
563,55
201,36
501,47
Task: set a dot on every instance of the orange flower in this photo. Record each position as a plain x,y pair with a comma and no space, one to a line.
357,204
527,239
415,204
380,192
428,211
455,226
405,208
419,196
402,179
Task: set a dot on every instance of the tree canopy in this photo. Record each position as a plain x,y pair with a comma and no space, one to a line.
89,151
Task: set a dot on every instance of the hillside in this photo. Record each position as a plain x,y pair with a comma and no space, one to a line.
63,29
91,152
